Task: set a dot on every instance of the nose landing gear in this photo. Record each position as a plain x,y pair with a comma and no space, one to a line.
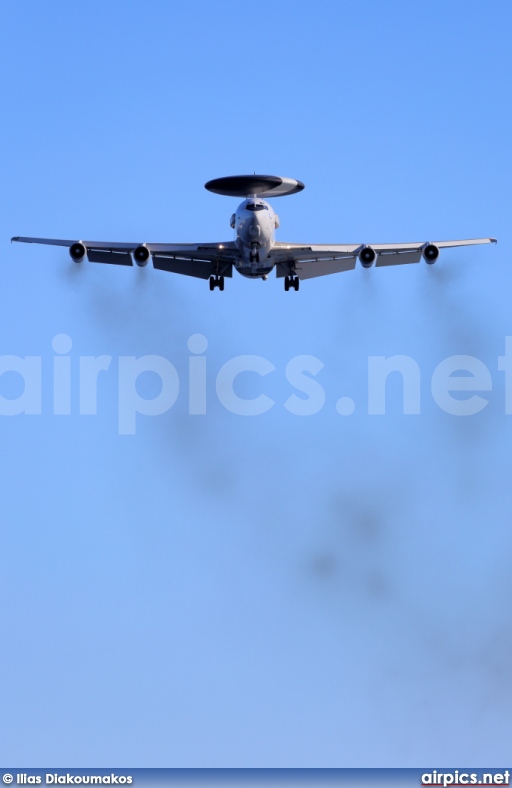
216,281
255,255
291,281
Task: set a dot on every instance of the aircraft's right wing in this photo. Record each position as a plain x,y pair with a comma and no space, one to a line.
200,260
321,259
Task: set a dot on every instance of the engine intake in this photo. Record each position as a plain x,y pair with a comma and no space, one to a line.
77,252
367,256
430,253
141,255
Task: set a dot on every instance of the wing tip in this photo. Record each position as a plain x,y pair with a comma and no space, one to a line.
15,238
493,240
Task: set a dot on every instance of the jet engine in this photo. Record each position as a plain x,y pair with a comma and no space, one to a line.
430,253
77,252
141,255
367,256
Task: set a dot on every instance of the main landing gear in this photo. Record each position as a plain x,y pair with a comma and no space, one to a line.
291,281
216,281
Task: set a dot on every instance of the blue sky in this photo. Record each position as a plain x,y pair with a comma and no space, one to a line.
277,590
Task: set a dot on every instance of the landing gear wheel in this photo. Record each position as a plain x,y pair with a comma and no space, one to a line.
216,281
291,281
255,255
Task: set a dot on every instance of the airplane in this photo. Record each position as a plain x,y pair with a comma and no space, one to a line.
254,253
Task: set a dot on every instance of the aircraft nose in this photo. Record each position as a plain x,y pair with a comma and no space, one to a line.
250,229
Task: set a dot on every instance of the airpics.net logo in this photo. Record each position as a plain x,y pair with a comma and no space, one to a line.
458,778
459,375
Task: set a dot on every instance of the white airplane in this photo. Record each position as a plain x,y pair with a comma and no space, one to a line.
254,252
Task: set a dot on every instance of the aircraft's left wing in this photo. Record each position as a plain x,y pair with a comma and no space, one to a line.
307,262
200,260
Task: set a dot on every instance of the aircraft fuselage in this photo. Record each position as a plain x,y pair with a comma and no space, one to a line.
254,223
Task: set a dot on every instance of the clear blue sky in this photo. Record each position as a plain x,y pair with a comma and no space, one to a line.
279,590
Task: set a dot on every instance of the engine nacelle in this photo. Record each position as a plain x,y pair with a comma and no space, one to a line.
367,256
141,255
430,253
77,252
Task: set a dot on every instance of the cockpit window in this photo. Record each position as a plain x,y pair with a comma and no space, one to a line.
254,206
